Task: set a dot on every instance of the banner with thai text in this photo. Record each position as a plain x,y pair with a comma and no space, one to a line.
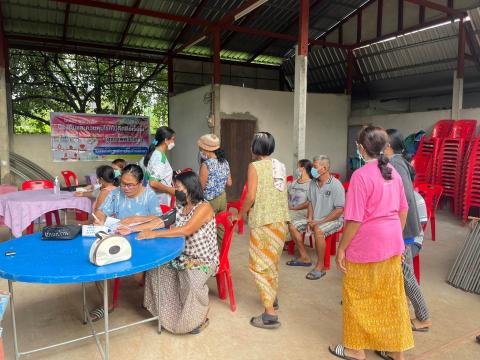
91,137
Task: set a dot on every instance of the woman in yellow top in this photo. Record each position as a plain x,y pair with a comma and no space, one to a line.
267,205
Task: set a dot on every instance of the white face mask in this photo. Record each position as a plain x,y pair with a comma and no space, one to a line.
170,146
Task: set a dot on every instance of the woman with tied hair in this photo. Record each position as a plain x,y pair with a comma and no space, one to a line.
375,311
266,203
157,169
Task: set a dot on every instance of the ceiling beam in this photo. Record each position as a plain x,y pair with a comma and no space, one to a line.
186,27
345,19
403,32
125,53
291,23
438,7
136,4
65,21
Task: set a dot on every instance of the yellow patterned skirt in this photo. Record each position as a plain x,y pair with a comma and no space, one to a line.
266,246
375,311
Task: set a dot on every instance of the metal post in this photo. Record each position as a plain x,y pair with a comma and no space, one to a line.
158,301
379,17
170,75
14,323
84,303
105,309
349,83
461,50
4,109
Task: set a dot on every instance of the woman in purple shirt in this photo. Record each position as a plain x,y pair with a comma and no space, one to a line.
375,312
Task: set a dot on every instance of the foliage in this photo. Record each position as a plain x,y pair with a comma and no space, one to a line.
43,82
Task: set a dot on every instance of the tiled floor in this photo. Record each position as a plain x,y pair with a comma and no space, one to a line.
310,315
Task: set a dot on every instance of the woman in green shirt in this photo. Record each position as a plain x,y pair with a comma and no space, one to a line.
267,205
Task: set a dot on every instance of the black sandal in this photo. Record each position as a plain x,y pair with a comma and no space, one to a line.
339,351
200,328
383,355
259,322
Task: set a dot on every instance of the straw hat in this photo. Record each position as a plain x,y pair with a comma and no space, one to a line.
209,142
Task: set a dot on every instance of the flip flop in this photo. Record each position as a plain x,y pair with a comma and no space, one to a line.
478,339
258,321
339,351
414,328
296,262
315,274
200,328
383,355
98,313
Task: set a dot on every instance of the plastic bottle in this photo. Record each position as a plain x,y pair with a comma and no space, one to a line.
56,188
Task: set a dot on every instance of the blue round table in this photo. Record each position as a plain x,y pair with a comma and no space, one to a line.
67,261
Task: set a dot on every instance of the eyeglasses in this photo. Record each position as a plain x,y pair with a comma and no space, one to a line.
128,186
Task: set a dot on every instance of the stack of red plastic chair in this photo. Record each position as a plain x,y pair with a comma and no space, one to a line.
238,205
428,149
471,195
449,163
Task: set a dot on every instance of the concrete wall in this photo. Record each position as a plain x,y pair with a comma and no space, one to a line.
188,117
37,148
409,123
327,116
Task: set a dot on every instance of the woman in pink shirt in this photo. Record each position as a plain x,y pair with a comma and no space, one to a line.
375,312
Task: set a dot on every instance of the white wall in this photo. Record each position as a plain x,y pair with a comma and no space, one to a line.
408,123
188,118
327,117
37,148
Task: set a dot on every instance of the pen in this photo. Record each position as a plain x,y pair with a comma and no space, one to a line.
96,218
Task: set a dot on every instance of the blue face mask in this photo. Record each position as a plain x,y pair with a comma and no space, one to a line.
298,173
117,173
315,173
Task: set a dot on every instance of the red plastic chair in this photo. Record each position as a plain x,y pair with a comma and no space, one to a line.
289,179
432,194
238,205
346,184
442,128
335,175
116,285
70,178
464,129
224,273
330,246
39,185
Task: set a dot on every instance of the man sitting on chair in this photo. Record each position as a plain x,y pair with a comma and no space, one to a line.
326,200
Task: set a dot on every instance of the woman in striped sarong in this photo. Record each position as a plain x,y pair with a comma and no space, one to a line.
267,204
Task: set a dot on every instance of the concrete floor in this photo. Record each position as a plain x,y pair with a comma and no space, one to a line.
310,314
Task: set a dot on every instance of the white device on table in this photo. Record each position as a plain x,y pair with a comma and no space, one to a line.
92,230
109,249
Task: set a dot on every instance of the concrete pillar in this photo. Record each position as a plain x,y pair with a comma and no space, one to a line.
300,107
457,96
4,122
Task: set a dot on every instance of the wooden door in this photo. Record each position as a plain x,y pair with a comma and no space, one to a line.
236,138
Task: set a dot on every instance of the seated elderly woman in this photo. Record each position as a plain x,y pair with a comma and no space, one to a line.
129,202
184,291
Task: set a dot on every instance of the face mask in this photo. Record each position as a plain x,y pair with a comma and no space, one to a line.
298,173
181,197
117,173
96,186
315,173
170,146
359,155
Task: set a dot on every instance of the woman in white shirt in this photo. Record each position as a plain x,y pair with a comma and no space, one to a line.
157,169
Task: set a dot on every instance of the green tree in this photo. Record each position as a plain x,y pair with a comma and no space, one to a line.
43,82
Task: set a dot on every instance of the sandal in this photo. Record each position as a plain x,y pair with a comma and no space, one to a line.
315,274
414,328
98,313
478,339
383,355
200,328
296,262
339,351
259,322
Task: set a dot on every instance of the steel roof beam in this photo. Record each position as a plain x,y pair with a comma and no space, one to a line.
186,27
438,7
89,49
290,24
129,24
